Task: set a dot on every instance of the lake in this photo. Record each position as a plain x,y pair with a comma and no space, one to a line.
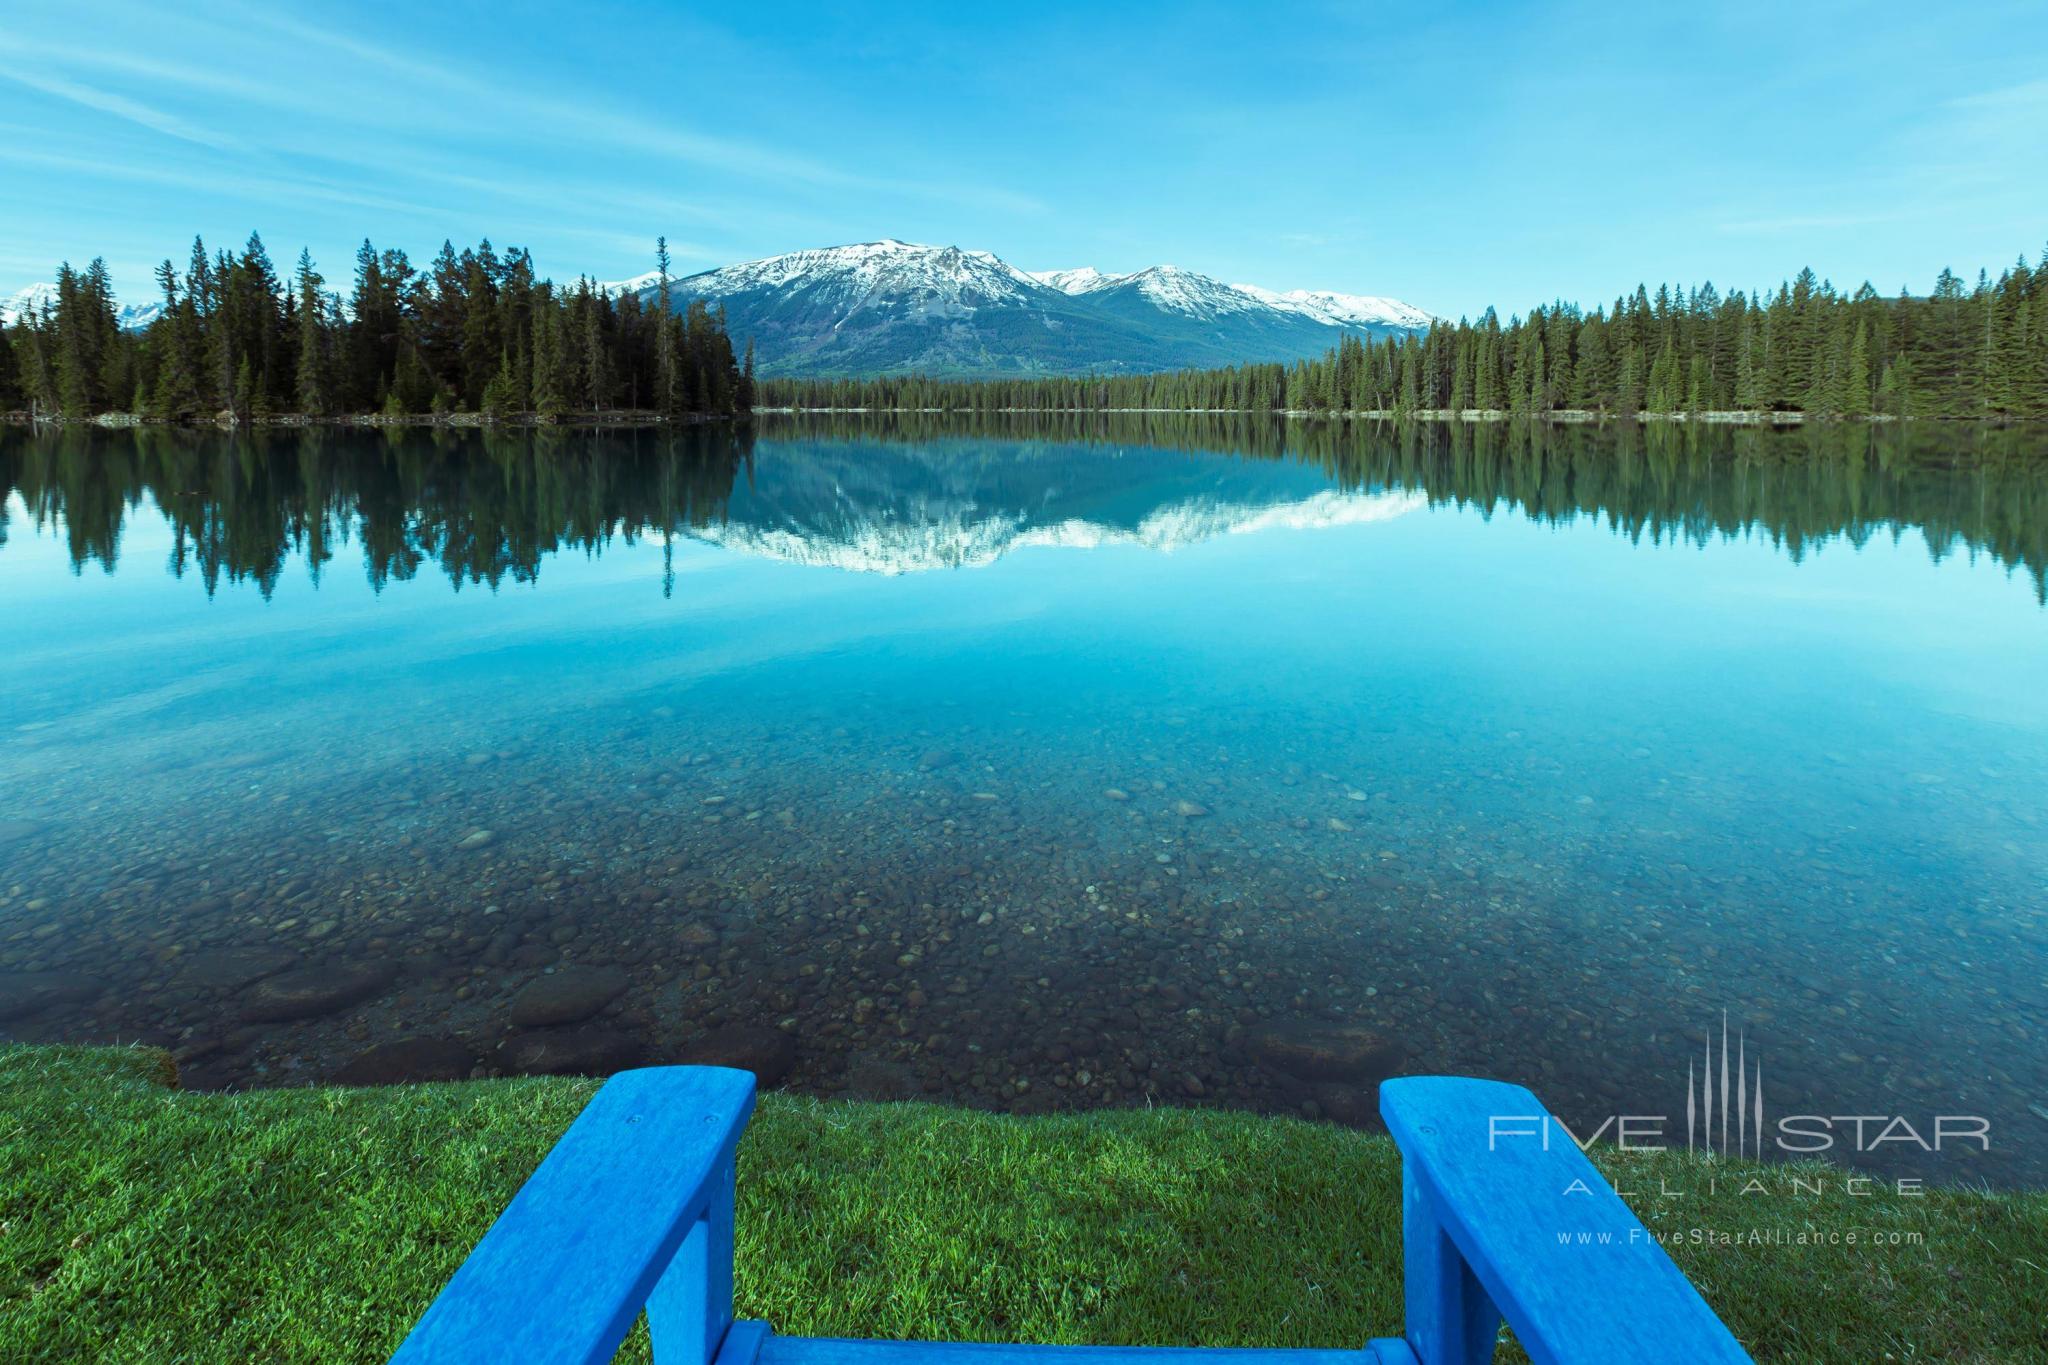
1050,762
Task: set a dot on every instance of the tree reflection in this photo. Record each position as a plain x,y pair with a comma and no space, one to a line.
484,507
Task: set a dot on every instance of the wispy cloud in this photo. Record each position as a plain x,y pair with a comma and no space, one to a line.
259,189
120,106
205,77
352,65
624,131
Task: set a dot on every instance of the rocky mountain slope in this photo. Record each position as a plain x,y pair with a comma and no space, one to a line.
895,307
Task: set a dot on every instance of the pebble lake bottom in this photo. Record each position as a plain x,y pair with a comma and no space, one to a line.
1043,763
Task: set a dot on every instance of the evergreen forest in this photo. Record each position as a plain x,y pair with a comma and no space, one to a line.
474,332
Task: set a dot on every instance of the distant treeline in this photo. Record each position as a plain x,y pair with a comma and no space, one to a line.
1960,351
474,332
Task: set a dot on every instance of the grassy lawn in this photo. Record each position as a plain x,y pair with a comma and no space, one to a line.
140,1223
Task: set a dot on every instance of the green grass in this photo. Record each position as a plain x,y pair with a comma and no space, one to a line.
140,1223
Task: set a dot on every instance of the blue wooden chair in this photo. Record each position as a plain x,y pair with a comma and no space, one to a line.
633,1209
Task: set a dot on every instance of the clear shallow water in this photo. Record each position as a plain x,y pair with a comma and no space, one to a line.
1046,764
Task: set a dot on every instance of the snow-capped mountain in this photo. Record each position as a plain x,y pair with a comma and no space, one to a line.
859,274
1085,280
1183,290
1344,310
132,317
27,302
891,307
1198,295
639,284
1174,290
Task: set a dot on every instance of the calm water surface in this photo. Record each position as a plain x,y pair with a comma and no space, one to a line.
1043,765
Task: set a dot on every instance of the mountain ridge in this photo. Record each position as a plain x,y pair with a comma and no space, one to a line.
892,306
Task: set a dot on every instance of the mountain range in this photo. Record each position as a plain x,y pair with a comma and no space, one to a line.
897,307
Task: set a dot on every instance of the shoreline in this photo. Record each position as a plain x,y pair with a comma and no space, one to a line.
1556,415
638,418
624,417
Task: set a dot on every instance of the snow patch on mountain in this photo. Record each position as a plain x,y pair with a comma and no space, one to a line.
639,284
1200,296
1185,292
1085,280
1342,310
1165,286
887,268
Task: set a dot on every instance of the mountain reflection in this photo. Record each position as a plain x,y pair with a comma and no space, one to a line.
904,493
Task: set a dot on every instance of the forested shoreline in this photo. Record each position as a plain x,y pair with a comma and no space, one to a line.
475,333
1806,350
477,337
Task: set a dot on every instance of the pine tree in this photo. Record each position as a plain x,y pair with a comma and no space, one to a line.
1489,390
1948,337
76,335
34,337
2006,380
667,372
376,324
175,339
1856,396
114,375
1664,389
1887,399
256,328
11,395
1596,375
598,381
1629,388
551,384
1461,374
482,346
500,396
315,372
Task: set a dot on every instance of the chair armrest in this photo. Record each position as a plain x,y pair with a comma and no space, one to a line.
561,1276
1497,1192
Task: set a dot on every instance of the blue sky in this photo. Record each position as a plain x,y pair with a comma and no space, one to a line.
1453,155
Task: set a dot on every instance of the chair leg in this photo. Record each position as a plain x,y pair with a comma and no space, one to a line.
1451,1320
691,1306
